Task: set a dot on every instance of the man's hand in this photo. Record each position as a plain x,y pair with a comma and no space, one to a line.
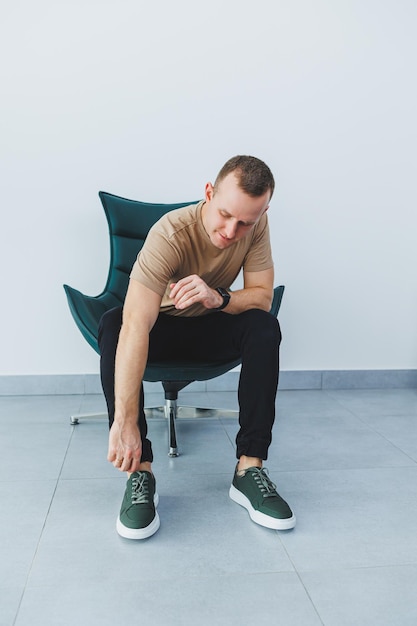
125,447
193,289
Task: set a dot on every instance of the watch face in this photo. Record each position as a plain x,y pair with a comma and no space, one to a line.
225,295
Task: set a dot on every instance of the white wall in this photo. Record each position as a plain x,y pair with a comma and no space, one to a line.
148,99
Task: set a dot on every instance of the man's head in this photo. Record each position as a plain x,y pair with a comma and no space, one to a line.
253,175
237,201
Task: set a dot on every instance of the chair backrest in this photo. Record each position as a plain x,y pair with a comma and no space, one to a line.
129,222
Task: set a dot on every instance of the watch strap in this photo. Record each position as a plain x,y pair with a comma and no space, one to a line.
226,298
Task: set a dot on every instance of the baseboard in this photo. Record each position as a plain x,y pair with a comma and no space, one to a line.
73,384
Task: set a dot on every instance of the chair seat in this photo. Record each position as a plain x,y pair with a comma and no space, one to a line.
182,370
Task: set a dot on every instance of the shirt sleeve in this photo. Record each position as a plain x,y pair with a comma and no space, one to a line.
259,254
157,263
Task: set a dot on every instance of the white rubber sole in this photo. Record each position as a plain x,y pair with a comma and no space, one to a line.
258,517
140,533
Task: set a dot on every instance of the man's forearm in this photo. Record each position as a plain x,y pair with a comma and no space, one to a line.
131,358
250,298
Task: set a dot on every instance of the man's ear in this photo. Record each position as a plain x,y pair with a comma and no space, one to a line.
208,192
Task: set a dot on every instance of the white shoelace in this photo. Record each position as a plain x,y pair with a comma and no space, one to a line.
140,489
264,483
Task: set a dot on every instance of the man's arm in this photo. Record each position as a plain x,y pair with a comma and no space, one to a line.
257,293
140,311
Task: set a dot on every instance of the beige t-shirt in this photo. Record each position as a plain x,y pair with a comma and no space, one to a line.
178,246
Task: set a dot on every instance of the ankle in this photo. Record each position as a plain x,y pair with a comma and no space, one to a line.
248,461
146,466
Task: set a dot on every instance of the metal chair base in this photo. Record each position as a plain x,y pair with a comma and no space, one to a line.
171,411
75,419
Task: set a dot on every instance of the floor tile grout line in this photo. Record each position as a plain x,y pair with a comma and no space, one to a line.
394,445
43,527
336,398
354,568
19,605
372,428
297,573
232,443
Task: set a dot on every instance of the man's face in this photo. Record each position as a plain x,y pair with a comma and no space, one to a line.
229,214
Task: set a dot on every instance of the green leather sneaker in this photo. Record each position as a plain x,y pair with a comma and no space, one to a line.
255,491
138,518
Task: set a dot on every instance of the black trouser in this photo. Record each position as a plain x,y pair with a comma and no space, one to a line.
253,335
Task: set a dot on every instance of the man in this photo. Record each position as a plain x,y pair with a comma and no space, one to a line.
179,302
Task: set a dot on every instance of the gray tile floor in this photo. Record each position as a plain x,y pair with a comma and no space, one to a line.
345,460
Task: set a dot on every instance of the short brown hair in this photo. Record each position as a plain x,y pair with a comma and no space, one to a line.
254,176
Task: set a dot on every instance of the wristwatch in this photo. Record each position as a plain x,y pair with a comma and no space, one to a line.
226,298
